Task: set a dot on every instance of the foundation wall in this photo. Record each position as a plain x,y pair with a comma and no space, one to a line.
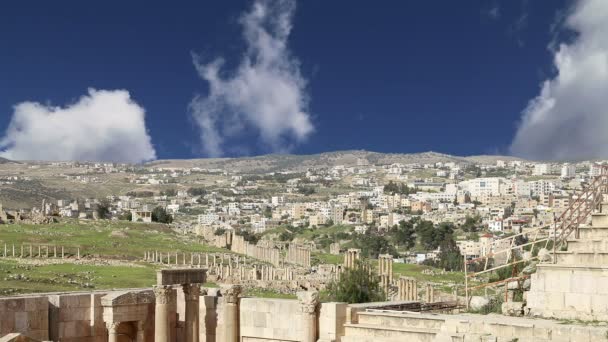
270,320
26,315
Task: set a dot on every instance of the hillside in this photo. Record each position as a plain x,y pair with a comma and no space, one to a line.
290,162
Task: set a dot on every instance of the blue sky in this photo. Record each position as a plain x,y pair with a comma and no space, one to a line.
395,76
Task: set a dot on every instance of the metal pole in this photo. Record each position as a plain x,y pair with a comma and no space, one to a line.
554,236
466,282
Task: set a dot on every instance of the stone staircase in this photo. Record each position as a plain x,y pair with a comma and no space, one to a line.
574,286
392,326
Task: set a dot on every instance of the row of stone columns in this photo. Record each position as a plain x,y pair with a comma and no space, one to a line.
385,271
298,255
407,289
42,251
351,256
176,258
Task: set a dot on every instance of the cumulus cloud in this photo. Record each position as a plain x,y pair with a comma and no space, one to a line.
569,118
104,125
264,97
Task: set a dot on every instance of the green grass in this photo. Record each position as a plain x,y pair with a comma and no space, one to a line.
325,258
23,278
264,293
314,233
109,239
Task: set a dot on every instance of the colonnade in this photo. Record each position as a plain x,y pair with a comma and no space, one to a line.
39,251
298,255
407,289
351,256
385,271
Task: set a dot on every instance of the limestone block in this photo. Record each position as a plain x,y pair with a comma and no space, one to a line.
478,302
21,321
599,303
7,324
37,304
16,337
181,276
513,309
14,304
38,320
554,300
578,302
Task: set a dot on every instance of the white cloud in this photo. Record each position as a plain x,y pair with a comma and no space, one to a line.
494,12
569,118
104,125
265,96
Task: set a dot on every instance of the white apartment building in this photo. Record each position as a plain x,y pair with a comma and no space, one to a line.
568,171
484,186
277,200
595,169
541,169
208,219
541,187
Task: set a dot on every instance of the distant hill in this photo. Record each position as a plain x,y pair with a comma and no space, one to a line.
291,162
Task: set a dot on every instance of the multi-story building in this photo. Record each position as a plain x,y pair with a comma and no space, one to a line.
568,171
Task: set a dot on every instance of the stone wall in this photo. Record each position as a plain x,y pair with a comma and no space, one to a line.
76,317
259,320
26,315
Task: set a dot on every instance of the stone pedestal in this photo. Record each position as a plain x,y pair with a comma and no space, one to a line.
164,298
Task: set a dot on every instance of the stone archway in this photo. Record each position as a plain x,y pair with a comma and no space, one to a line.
128,315
126,332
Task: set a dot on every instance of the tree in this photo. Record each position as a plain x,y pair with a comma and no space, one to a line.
126,216
169,192
160,214
471,224
356,285
449,257
268,212
197,192
103,209
372,245
404,234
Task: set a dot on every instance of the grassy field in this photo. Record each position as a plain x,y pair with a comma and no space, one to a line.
325,258
16,277
109,239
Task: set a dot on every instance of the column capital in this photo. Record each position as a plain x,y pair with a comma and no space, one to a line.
191,291
112,326
309,300
231,293
163,294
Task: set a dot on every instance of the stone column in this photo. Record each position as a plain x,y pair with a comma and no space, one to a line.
141,333
191,297
112,331
309,302
164,299
231,312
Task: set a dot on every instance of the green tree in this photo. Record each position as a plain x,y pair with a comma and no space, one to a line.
197,192
160,214
169,192
449,257
126,216
471,224
356,285
404,234
372,245
103,209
